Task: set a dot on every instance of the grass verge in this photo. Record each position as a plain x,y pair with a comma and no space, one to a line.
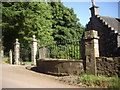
27,63
100,81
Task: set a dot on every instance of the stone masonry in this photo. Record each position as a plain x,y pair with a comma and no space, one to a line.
34,50
11,58
91,50
43,52
108,66
17,52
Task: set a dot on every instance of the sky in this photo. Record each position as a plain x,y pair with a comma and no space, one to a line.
82,11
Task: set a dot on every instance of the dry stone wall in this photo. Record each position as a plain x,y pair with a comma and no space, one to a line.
108,66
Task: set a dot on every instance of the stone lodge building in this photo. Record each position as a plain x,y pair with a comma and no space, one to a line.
108,31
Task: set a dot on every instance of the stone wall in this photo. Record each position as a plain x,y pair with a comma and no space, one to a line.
108,66
61,67
104,66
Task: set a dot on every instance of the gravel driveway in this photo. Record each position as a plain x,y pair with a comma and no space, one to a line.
15,76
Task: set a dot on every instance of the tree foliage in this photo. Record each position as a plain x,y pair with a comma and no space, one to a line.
50,22
65,22
24,19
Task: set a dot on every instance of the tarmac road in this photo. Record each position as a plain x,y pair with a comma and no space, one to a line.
16,76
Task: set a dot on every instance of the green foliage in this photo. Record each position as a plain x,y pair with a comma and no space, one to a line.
50,22
100,81
24,19
65,22
5,60
65,49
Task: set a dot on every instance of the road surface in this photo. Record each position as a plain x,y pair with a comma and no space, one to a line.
15,76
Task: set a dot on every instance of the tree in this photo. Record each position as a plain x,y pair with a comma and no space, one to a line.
50,22
24,19
66,29
65,22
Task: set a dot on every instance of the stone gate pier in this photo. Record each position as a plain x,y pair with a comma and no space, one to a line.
91,50
10,55
34,50
17,52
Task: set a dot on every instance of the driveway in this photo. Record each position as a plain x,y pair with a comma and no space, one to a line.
16,76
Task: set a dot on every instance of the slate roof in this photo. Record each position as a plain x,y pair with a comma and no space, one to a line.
113,23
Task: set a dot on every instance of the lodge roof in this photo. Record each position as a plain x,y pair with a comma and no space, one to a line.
113,23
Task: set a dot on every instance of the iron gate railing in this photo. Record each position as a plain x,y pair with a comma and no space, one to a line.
65,49
25,54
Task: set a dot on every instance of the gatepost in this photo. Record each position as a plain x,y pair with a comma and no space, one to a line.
10,55
17,52
34,50
91,51
1,53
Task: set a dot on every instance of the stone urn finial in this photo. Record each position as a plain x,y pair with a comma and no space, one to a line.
34,36
16,42
16,39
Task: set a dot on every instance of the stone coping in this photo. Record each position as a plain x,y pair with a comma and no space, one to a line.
109,58
61,60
